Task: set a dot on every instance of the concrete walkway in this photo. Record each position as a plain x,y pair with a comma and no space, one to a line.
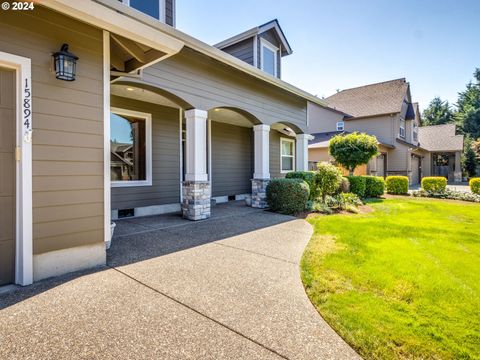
225,288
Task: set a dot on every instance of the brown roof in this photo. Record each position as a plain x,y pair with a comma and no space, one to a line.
440,138
371,100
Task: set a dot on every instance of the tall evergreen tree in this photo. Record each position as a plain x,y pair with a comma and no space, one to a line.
468,108
438,112
469,158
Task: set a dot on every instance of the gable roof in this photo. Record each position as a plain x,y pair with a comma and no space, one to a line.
322,140
440,138
257,30
371,100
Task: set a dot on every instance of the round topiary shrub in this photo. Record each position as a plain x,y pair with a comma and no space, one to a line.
435,184
397,185
309,178
287,196
475,185
327,179
374,186
358,185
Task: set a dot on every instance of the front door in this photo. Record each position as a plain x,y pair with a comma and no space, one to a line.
7,176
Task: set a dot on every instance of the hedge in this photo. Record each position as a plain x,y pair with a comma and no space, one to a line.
475,185
436,184
397,185
375,186
309,178
328,179
358,185
287,196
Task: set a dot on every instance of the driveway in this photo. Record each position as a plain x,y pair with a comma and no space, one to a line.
225,288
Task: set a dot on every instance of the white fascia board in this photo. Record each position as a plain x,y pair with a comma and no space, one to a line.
237,38
108,19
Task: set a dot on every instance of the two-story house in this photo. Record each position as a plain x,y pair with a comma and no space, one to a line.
109,111
386,110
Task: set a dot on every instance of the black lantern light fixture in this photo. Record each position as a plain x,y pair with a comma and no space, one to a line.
65,64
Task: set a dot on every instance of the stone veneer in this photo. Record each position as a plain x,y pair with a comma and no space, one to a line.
196,200
259,193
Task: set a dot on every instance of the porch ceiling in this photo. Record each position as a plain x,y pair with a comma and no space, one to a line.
140,94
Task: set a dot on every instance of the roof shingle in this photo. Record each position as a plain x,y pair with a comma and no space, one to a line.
371,100
440,138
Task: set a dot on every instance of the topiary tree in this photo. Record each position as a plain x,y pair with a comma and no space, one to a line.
327,179
352,150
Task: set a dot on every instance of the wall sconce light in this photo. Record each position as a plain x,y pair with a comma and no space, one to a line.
65,64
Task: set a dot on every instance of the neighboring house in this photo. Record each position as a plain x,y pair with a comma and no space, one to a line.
155,121
385,110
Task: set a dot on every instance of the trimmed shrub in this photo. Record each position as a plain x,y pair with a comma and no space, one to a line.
287,196
327,179
475,185
352,150
358,185
374,187
436,184
309,178
397,185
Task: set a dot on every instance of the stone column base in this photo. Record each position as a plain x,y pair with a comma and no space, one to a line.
457,177
196,200
259,193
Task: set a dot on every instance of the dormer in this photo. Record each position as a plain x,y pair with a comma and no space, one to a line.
263,47
163,10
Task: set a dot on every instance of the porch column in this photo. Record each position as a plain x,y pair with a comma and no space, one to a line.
301,152
457,174
196,187
261,175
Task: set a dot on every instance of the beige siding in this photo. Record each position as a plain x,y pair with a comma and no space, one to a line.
165,187
322,120
206,84
397,159
380,126
67,125
318,155
232,159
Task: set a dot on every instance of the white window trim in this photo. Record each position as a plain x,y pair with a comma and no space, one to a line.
161,12
282,139
340,124
148,146
270,46
402,128
23,166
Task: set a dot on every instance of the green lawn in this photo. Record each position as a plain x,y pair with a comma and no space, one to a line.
402,281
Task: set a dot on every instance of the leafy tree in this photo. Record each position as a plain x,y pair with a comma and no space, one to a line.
476,148
468,108
469,158
438,112
353,150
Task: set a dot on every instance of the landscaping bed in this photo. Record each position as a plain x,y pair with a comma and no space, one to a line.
400,281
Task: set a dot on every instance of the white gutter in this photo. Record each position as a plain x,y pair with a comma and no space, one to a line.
119,18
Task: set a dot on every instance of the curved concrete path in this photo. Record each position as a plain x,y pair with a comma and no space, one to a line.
228,287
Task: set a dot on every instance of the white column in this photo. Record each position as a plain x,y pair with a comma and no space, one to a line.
301,152
196,145
261,152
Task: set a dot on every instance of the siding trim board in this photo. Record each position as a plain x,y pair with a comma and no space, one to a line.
24,209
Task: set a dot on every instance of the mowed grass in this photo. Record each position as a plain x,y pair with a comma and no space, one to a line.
401,282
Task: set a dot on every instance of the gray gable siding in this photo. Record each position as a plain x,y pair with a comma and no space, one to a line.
206,84
242,50
165,187
170,12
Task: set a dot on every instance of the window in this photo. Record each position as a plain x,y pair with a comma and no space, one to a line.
268,57
130,148
287,155
154,8
340,126
415,131
402,128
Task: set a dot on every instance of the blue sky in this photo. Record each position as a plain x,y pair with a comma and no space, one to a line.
342,44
